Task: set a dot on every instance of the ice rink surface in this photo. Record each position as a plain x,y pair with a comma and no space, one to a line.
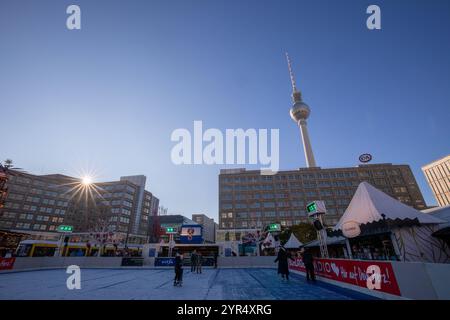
154,284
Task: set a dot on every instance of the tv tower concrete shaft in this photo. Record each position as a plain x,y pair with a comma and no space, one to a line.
309,156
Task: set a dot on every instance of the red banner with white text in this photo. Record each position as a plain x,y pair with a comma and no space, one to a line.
375,275
7,263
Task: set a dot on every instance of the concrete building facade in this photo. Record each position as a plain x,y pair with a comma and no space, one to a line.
40,203
437,174
248,199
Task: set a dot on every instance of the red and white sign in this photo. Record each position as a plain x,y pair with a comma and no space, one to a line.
354,272
7,263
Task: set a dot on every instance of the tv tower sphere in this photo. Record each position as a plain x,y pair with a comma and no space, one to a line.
300,111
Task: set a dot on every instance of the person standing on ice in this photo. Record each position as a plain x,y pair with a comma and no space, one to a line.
282,259
199,262
194,261
178,281
308,261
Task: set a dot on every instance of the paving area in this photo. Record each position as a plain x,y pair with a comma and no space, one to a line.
157,284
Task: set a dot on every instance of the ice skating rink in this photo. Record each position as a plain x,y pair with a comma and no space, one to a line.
154,284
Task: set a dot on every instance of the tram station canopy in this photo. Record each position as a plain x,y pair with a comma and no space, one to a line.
370,204
293,243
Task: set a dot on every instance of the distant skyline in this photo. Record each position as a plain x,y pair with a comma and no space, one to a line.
106,98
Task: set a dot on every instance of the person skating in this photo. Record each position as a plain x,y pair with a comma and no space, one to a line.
308,261
282,259
194,261
216,255
178,281
199,262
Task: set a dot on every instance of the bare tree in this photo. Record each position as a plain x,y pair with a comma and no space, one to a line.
7,170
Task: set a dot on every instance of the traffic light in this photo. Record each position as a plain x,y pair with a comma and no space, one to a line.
64,228
171,230
274,227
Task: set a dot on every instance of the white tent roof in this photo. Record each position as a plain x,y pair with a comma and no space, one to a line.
369,203
269,242
292,243
441,213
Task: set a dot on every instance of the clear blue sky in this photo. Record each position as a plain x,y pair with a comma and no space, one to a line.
108,97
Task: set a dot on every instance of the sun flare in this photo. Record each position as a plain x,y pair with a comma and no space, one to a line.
86,180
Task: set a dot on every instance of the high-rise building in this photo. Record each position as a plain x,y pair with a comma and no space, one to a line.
40,203
248,199
209,227
437,174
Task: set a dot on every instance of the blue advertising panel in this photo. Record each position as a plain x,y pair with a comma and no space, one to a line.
165,262
191,234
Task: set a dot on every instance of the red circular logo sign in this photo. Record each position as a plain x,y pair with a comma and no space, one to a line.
365,157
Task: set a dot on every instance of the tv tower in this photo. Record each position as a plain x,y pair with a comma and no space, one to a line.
299,113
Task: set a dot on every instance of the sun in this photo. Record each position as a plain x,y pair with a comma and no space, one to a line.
86,180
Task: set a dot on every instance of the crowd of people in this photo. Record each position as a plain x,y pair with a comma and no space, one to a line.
196,262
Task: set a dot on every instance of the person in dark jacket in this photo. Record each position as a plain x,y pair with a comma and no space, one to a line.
282,259
194,261
308,261
199,262
178,281
216,255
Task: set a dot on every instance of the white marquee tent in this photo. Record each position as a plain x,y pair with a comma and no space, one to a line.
411,230
269,242
293,243
368,204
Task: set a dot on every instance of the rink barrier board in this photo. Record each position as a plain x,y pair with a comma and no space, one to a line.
414,280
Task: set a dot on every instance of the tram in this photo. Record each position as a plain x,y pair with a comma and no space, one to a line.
42,248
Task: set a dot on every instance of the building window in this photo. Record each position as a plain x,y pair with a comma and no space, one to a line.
270,214
269,205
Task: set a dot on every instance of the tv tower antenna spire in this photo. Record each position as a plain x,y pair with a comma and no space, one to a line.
291,73
296,94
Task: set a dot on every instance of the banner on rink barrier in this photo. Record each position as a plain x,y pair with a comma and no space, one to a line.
7,263
355,272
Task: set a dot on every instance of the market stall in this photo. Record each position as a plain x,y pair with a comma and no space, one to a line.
381,227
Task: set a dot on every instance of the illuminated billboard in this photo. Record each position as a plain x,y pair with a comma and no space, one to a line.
191,234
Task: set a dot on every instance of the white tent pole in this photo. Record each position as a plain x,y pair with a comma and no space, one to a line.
395,245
